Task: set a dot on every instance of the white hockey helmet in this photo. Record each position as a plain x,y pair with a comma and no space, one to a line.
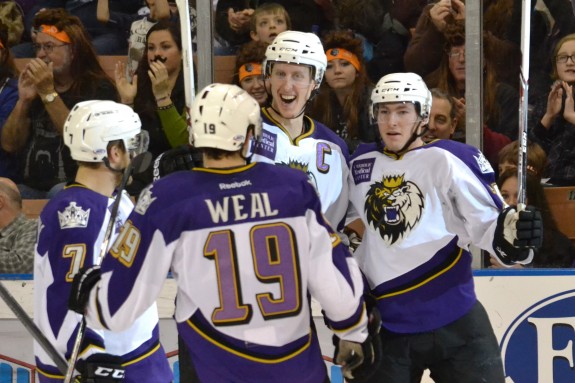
91,125
402,87
221,115
294,47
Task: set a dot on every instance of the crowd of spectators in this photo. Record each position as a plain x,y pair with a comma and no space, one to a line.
363,40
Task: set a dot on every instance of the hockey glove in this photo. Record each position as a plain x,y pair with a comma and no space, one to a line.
101,368
517,234
82,284
359,361
180,158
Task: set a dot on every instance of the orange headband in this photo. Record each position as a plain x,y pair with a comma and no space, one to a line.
340,53
250,69
54,32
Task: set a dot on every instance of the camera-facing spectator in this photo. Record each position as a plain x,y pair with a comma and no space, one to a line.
65,71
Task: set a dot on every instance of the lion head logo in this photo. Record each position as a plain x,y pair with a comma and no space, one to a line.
393,206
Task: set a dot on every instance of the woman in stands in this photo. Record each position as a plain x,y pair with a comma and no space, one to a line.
157,90
248,71
343,100
553,125
9,163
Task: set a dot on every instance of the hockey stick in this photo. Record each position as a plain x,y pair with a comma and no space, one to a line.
138,164
523,105
33,329
187,54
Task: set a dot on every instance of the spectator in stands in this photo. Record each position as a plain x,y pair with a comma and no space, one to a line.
557,250
536,158
105,39
446,121
344,98
157,90
442,118
248,70
384,27
65,71
17,232
10,164
425,51
267,21
500,102
137,26
552,121
233,18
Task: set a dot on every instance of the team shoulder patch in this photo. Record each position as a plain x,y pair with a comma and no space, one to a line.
145,200
73,217
483,163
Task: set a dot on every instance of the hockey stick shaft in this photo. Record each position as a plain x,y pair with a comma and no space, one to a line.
523,105
33,329
141,161
187,53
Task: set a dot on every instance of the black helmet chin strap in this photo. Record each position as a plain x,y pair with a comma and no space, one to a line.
414,136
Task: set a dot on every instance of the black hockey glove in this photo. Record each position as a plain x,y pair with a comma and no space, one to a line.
517,234
82,284
359,361
180,158
101,368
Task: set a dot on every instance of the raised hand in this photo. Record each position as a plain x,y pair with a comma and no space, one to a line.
41,74
159,77
569,110
554,101
126,89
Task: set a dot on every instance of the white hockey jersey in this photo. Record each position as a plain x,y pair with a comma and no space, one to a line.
70,235
247,247
422,210
319,152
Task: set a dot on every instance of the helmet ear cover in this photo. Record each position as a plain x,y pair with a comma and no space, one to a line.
222,115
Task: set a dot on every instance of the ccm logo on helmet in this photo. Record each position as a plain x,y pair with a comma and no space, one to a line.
288,49
109,372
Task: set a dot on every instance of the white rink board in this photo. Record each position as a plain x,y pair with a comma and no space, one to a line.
532,313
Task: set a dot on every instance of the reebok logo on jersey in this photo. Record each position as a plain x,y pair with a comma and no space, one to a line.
361,170
235,185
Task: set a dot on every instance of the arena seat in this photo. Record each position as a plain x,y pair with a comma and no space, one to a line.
33,207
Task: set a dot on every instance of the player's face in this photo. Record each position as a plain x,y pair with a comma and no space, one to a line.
254,85
457,63
268,26
52,50
340,74
441,125
291,87
396,122
566,71
509,191
162,47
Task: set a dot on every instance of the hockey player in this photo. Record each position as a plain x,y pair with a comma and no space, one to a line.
247,250
293,69
102,136
423,205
